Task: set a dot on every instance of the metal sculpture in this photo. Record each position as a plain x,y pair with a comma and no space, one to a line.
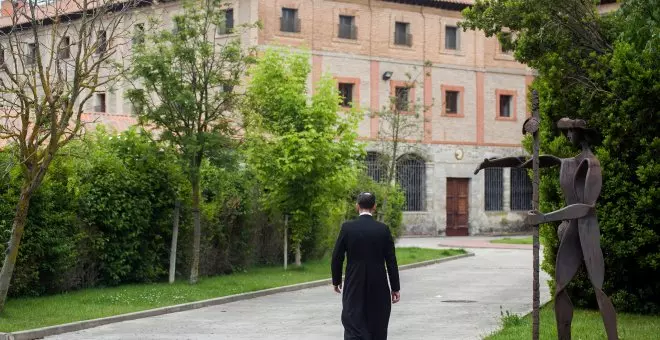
580,180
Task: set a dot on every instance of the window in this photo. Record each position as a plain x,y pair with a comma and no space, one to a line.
289,22
346,92
411,176
99,106
347,29
507,38
64,51
451,38
494,188
451,102
101,42
402,34
138,35
31,56
402,99
376,166
227,27
521,190
227,88
506,101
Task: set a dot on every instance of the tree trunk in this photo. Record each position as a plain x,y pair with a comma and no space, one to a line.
20,218
197,231
286,241
298,262
175,236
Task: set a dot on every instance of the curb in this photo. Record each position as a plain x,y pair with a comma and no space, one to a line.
39,333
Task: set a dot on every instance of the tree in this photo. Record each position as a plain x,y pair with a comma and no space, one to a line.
185,86
302,150
400,130
55,57
605,69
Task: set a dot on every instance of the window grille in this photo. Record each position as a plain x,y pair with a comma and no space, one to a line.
494,188
411,176
521,190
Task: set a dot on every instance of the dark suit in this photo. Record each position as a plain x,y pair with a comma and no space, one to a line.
367,296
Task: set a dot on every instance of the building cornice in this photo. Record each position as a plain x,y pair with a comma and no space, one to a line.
453,5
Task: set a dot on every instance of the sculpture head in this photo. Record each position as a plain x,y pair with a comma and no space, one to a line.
577,132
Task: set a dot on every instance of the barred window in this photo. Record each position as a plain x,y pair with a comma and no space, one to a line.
494,187
521,190
376,166
411,176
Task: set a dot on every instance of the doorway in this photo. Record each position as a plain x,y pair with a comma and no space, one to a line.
457,206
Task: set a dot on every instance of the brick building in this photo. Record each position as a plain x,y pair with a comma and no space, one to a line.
475,90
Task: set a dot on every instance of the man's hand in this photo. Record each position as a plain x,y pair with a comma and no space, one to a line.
338,289
396,297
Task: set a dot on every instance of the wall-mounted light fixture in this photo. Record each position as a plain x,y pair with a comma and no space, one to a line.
387,75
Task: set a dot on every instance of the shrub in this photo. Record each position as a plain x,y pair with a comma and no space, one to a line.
126,189
49,246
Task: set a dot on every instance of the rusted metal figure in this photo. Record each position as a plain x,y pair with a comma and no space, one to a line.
579,236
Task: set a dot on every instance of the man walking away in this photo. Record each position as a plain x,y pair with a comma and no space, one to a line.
367,298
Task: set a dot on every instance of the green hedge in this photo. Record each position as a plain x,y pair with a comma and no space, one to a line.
626,112
103,217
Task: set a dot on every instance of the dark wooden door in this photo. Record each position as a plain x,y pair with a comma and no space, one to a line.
457,206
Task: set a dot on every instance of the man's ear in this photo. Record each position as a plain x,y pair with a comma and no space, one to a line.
374,208
357,207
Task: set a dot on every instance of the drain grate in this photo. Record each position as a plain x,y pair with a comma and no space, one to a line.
459,301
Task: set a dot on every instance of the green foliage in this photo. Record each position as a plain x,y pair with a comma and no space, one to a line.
229,219
509,319
126,188
186,82
302,151
605,69
394,196
186,88
48,250
587,325
102,215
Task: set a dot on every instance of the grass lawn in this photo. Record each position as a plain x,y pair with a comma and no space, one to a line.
29,313
587,325
513,240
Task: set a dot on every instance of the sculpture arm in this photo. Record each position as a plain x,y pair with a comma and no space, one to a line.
506,162
545,161
571,212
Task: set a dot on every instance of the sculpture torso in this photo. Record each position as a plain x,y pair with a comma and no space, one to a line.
580,178
567,179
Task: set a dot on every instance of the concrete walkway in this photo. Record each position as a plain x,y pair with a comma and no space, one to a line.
459,299
466,242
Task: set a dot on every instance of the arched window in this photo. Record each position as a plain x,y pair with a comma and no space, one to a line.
376,166
411,176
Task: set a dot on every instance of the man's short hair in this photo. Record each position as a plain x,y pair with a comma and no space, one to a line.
366,200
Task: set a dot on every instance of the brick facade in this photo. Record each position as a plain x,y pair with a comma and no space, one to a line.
471,64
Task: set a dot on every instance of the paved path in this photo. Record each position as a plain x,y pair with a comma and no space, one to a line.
468,242
459,299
